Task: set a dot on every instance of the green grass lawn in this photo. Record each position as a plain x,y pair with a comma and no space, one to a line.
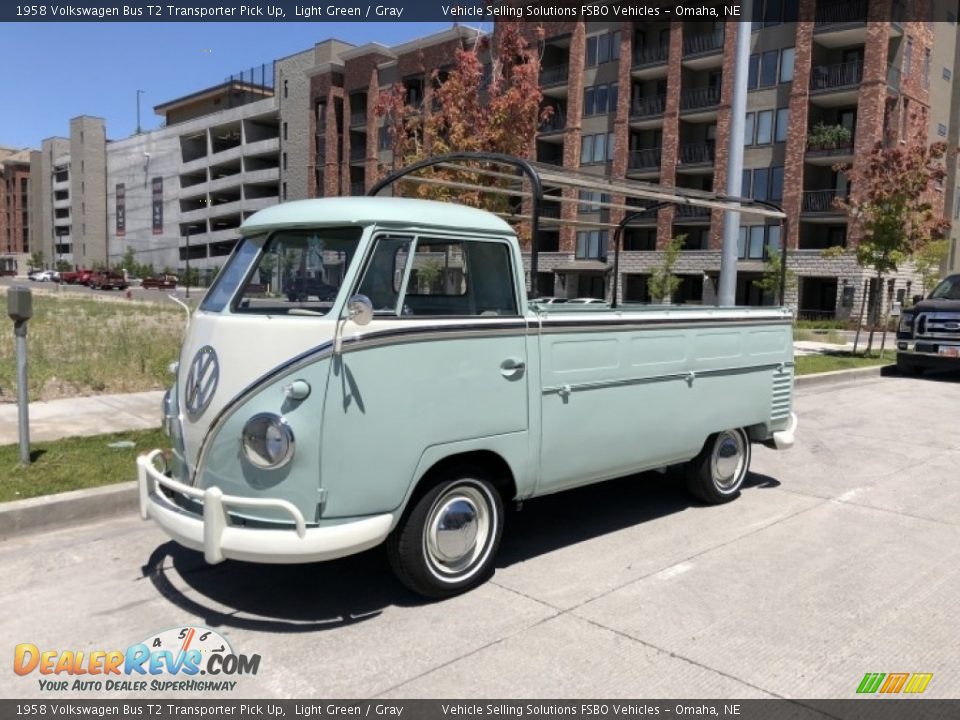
808,364
78,345
73,463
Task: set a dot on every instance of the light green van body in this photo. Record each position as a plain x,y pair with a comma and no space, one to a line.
553,396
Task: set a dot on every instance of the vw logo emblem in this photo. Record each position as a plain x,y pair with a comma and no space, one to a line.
201,381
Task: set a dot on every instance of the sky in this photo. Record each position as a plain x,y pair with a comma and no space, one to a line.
70,69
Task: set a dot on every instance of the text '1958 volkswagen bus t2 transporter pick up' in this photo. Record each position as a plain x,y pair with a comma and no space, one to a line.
422,390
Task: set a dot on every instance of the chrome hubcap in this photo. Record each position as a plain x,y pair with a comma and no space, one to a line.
457,531
729,455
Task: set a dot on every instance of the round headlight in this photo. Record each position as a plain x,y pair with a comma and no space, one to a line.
267,441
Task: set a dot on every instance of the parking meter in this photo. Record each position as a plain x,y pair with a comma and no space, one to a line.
20,310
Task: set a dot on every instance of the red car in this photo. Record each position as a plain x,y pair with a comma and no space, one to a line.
160,282
105,280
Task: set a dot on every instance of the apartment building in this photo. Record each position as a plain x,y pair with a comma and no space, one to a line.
652,102
69,174
14,210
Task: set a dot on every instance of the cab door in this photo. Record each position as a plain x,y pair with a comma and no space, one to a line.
443,363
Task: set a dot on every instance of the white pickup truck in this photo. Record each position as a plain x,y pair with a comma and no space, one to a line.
425,391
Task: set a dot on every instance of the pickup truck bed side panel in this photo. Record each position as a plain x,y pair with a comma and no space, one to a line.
619,401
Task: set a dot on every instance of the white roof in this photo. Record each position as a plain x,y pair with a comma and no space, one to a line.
405,212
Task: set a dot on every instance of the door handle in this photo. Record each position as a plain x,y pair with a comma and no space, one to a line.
512,367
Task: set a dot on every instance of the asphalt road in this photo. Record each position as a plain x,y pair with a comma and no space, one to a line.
840,558
137,293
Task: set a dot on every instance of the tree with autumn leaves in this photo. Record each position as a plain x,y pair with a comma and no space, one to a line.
471,107
891,197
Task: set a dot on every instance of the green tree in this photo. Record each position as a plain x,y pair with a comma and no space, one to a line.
769,283
928,260
36,260
63,266
663,283
891,199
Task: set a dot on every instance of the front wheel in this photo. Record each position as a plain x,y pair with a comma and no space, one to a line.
447,543
716,474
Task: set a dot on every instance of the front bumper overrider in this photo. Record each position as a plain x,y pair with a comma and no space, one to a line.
213,534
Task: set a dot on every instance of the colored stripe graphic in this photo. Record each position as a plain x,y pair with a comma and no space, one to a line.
918,683
870,682
894,682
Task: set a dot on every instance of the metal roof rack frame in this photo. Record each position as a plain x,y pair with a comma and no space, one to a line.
540,176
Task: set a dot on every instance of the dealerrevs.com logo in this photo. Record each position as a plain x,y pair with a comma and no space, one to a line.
180,659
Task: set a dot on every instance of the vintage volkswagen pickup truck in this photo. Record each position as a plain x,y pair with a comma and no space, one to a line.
427,392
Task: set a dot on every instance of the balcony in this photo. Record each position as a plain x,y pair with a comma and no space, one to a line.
694,154
703,50
645,161
650,61
833,85
555,77
691,213
829,153
358,118
702,102
840,24
821,202
553,124
647,108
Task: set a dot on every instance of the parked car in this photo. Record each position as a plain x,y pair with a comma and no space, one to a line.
550,300
300,289
929,332
106,280
586,301
159,282
45,276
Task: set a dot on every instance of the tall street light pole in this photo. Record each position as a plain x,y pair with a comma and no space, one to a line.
139,93
727,292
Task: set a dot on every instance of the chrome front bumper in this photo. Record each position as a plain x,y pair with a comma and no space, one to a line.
213,534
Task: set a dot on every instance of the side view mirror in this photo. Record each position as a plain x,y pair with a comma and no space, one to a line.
360,309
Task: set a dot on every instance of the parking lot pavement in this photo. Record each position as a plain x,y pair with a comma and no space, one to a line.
840,558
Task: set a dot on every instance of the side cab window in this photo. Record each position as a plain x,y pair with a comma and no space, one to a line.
440,277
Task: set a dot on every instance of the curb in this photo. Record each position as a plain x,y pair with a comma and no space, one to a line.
54,511
41,513
841,376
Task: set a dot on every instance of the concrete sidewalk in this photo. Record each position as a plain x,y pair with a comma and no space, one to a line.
94,415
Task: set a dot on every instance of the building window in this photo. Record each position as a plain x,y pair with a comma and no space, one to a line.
596,148
941,130
947,74
603,48
284,131
284,190
926,68
764,127
786,64
592,244
284,161
285,88
755,241
748,128
776,183
907,57
783,124
768,68
763,183
600,99
590,201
